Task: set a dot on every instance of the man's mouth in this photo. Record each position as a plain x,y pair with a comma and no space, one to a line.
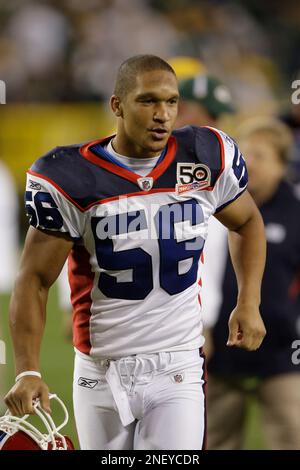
158,133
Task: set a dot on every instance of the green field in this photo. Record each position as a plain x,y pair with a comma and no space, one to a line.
57,368
56,360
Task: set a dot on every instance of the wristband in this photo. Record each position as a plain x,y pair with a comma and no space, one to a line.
33,373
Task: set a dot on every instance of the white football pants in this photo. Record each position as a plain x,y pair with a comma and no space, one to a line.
153,401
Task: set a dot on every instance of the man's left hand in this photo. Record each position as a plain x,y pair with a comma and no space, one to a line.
246,328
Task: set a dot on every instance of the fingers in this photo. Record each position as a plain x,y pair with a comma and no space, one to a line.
19,399
14,405
246,328
27,406
45,400
233,332
248,337
254,336
19,404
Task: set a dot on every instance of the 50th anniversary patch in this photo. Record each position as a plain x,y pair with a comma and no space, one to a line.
191,176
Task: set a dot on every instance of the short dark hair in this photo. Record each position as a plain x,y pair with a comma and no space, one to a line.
130,68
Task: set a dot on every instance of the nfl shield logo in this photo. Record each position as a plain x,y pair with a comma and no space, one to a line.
178,378
145,183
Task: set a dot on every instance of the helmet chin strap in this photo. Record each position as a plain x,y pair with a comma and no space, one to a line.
11,424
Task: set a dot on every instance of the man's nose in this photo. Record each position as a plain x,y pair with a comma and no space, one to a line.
161,113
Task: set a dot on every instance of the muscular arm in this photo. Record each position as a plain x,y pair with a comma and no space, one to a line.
247,247
42,260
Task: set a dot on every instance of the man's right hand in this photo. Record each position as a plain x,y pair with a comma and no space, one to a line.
19,399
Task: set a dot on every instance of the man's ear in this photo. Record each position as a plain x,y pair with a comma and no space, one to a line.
116,106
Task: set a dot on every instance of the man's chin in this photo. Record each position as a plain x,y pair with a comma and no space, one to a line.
157,145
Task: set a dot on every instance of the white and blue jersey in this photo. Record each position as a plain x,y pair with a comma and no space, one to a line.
135,265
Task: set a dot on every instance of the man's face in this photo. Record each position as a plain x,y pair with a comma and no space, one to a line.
149,111
263,162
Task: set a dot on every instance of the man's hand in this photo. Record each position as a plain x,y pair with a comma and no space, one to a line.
246,328
20,398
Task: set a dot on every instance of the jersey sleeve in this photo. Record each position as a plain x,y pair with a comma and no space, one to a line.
49,209
234,177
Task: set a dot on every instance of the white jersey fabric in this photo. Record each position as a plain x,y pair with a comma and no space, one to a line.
142,166
152,306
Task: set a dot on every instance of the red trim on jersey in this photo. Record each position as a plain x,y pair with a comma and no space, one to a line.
199,296
200,280
99,201
99,161
127,174
204,387
166,161
140,193
210,188
81,280
34,173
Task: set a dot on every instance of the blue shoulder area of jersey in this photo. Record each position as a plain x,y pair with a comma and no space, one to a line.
83,181
203,143
199,145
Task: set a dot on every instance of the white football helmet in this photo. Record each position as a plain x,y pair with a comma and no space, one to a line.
19,434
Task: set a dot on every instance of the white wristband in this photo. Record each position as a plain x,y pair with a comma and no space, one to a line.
33,373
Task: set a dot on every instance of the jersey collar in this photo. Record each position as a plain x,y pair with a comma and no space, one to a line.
122,171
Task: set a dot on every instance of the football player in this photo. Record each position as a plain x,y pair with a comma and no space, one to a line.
131,212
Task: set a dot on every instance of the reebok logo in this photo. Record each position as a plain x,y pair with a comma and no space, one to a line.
34,185
87,383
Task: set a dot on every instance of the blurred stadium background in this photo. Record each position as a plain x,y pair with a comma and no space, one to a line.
58,59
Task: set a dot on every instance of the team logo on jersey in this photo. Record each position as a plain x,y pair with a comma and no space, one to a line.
178,378
87,383
145,183
192,177
34,185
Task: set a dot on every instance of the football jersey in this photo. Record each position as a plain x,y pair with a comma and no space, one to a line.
134,268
